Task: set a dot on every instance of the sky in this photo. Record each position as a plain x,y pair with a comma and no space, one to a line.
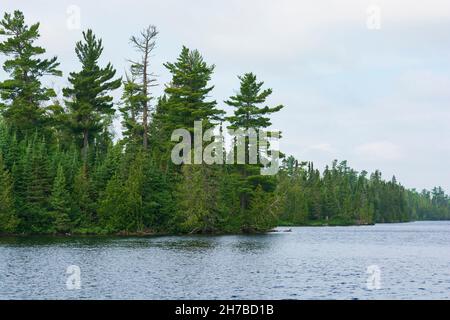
362,81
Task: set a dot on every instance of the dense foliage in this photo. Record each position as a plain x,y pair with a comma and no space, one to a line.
62,171
340,195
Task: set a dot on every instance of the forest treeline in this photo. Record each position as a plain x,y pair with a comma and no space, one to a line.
340,195
63,171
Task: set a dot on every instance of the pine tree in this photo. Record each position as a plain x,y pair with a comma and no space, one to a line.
186,101
23,93
130,185
188,91
248,112
249,115
89,102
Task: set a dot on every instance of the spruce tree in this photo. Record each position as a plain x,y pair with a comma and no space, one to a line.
113,210
8,218
60,202
197,199
160,131
263,212
121,206
84,206
34,187
133,104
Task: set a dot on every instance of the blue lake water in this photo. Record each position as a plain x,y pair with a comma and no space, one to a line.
405,261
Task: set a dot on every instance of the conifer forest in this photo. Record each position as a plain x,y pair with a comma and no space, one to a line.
64,171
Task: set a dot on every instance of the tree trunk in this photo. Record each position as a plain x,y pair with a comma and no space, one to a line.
145,111
85,145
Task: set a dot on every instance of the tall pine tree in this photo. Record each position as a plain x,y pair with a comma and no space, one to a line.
23,93
89,102
188,92
249,114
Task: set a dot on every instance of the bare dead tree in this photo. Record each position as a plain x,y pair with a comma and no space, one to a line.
145,43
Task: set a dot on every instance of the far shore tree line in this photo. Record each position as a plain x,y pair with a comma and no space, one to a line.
62,171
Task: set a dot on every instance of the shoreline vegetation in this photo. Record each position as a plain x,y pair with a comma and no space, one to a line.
288,228
64,171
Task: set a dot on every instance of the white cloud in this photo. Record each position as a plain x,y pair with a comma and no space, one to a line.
323,147
380,150
425,84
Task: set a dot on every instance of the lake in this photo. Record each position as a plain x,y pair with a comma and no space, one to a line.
392,261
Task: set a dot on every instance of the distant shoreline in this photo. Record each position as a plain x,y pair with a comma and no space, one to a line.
162,234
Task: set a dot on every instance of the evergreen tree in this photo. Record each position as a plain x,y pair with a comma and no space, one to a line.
197,199
34,187
248,114
136,199
113,211
84,207
188,91
89,102
133,102
23,93
60,202
291,192
131,186
263,212
8,218
160,131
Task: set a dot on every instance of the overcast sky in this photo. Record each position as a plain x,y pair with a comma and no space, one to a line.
377,97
